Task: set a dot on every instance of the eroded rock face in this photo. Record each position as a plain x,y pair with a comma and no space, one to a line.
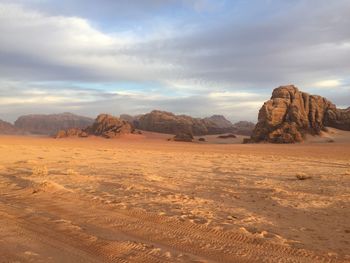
109,126
52,123
338,118
290,114
73,132
183,137
105,125
167,122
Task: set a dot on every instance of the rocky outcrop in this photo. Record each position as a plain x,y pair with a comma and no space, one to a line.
183,137
8,128
109,126
105,125
73,132
52,123
290,114
167,122
338,118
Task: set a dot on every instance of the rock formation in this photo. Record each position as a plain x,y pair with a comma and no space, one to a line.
290,114
73,132
338,118
167,122
52,123
105,125
109,126
183,137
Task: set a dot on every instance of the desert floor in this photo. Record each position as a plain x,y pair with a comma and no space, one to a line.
141,198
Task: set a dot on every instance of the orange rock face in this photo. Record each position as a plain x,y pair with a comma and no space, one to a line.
73,132
105,125
290,114
109,126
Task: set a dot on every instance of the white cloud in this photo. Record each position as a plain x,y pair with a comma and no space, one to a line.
64,42
231,94
330,83
215,64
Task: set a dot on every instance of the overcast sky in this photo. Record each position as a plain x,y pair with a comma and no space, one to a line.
197,57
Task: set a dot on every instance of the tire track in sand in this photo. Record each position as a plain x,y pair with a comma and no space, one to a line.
147,228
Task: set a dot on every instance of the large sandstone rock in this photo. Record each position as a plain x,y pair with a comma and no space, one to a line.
167,122
73,132
290,114
105,125
183,137
338,118
52,123
109,126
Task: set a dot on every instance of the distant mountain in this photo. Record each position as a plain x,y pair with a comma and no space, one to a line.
218,124
243,128
8,128
219,120
50,124
167,122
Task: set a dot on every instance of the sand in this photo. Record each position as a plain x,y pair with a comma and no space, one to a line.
141,198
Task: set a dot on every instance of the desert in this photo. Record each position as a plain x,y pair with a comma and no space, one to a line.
164,131
141,198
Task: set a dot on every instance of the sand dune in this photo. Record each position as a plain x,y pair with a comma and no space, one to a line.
141,198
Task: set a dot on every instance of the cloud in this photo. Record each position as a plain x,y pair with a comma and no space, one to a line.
38,99
330,83
41,47
190,56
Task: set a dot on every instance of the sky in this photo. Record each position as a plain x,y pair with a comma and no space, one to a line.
195,57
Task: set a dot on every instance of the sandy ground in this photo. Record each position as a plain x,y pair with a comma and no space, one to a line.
141,198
